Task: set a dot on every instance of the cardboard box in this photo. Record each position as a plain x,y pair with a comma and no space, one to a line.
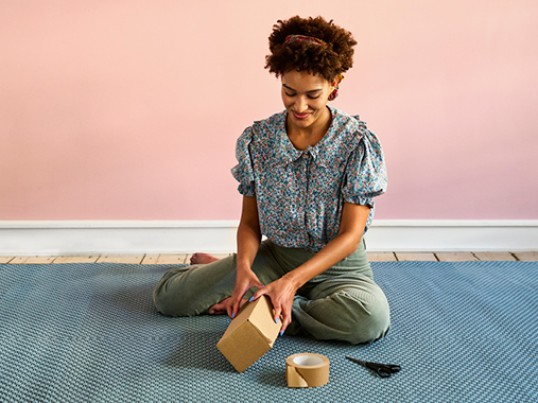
250,335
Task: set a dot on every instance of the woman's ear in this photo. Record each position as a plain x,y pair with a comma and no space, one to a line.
337,80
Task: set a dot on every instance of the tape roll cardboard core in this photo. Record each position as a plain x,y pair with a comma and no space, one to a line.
307,370
307,360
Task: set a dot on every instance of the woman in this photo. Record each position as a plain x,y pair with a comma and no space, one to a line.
308,176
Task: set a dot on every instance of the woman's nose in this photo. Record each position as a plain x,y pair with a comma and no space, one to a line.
300,105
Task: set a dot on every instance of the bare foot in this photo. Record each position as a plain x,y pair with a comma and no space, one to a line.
220,308
202,258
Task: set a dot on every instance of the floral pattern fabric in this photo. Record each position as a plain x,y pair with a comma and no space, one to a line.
300,193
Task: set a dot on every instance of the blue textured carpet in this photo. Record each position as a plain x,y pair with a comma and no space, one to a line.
88,332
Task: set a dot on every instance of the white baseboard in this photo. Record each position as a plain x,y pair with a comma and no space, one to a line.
22,238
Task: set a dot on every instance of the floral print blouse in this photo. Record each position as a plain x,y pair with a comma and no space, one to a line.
300,193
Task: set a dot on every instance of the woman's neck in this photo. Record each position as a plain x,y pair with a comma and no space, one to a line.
302,137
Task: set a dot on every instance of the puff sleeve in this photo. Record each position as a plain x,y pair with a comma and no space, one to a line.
243,172
366,173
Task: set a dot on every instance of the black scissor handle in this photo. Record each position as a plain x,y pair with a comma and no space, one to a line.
383,370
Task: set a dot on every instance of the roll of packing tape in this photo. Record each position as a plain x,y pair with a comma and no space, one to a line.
307,370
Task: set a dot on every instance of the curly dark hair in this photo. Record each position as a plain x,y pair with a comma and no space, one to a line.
328,59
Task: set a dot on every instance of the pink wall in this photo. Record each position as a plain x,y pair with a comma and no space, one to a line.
130,109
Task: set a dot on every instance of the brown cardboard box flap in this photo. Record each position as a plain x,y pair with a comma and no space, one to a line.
250,335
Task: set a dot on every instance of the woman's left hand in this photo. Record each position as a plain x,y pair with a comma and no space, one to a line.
281,292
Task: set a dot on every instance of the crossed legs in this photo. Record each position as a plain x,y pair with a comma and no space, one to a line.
342,304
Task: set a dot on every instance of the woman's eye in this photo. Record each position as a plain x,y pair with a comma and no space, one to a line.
289,95
313,96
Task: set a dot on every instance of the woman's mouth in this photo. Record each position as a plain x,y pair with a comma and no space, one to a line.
301,116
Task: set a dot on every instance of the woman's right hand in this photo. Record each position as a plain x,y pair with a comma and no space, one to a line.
244,281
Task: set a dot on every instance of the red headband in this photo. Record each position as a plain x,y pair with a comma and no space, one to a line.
304,38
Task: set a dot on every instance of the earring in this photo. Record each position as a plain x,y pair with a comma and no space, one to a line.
333,94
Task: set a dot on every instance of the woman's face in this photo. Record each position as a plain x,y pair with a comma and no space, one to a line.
305,97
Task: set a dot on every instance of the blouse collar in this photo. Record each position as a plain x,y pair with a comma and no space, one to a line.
327,149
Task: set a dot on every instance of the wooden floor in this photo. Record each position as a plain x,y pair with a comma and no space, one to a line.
185,258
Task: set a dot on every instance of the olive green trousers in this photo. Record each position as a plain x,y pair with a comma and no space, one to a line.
343,303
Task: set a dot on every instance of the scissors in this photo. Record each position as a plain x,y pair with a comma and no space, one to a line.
382,370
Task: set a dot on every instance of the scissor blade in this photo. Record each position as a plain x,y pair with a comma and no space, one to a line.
356,360
383,370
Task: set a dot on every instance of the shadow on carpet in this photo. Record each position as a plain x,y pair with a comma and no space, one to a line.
89,332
